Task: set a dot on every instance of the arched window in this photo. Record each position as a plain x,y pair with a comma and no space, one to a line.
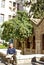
43,42
28,43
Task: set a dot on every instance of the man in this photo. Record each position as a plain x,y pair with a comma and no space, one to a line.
11,49
11,53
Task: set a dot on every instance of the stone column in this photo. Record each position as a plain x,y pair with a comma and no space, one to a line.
38,43
31,43
25,47
38,47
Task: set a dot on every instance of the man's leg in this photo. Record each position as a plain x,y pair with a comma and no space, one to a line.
8,61
14,60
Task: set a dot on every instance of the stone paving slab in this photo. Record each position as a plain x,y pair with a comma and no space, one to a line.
25,64
18,64
2,63
29,63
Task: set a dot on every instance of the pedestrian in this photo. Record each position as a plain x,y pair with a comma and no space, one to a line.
11,53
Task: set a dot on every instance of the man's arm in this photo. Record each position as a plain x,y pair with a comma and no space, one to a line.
8,51
15,51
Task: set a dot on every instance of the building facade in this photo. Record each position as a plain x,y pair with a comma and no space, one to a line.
8,10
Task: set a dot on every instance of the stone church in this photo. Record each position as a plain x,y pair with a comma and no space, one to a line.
38,35
34,44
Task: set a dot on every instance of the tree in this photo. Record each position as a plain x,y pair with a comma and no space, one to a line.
38,9
19,27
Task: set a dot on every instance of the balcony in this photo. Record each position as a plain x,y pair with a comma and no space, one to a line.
10,5
33,1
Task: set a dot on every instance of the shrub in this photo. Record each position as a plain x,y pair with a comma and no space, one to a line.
5,44
2,47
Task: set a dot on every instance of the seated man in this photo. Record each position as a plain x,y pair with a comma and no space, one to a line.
11,53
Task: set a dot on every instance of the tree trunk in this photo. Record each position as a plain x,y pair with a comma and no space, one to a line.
15,43
31,44
23,47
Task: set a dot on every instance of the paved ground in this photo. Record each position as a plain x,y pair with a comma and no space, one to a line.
1,63
29,63
18,64
26,62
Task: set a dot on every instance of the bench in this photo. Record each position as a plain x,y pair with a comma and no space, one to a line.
35,63
40,62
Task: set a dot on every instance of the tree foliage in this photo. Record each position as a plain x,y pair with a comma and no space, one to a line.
38,9
0,31
19,27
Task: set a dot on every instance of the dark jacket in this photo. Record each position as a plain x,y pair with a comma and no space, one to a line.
11,51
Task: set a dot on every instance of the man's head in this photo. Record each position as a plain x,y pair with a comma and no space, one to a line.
11,45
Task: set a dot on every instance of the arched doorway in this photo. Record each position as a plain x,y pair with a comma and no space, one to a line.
33,45
42,43
33,42
19,44
27,43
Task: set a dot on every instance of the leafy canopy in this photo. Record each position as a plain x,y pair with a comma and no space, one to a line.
19,27
38,9
0,31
